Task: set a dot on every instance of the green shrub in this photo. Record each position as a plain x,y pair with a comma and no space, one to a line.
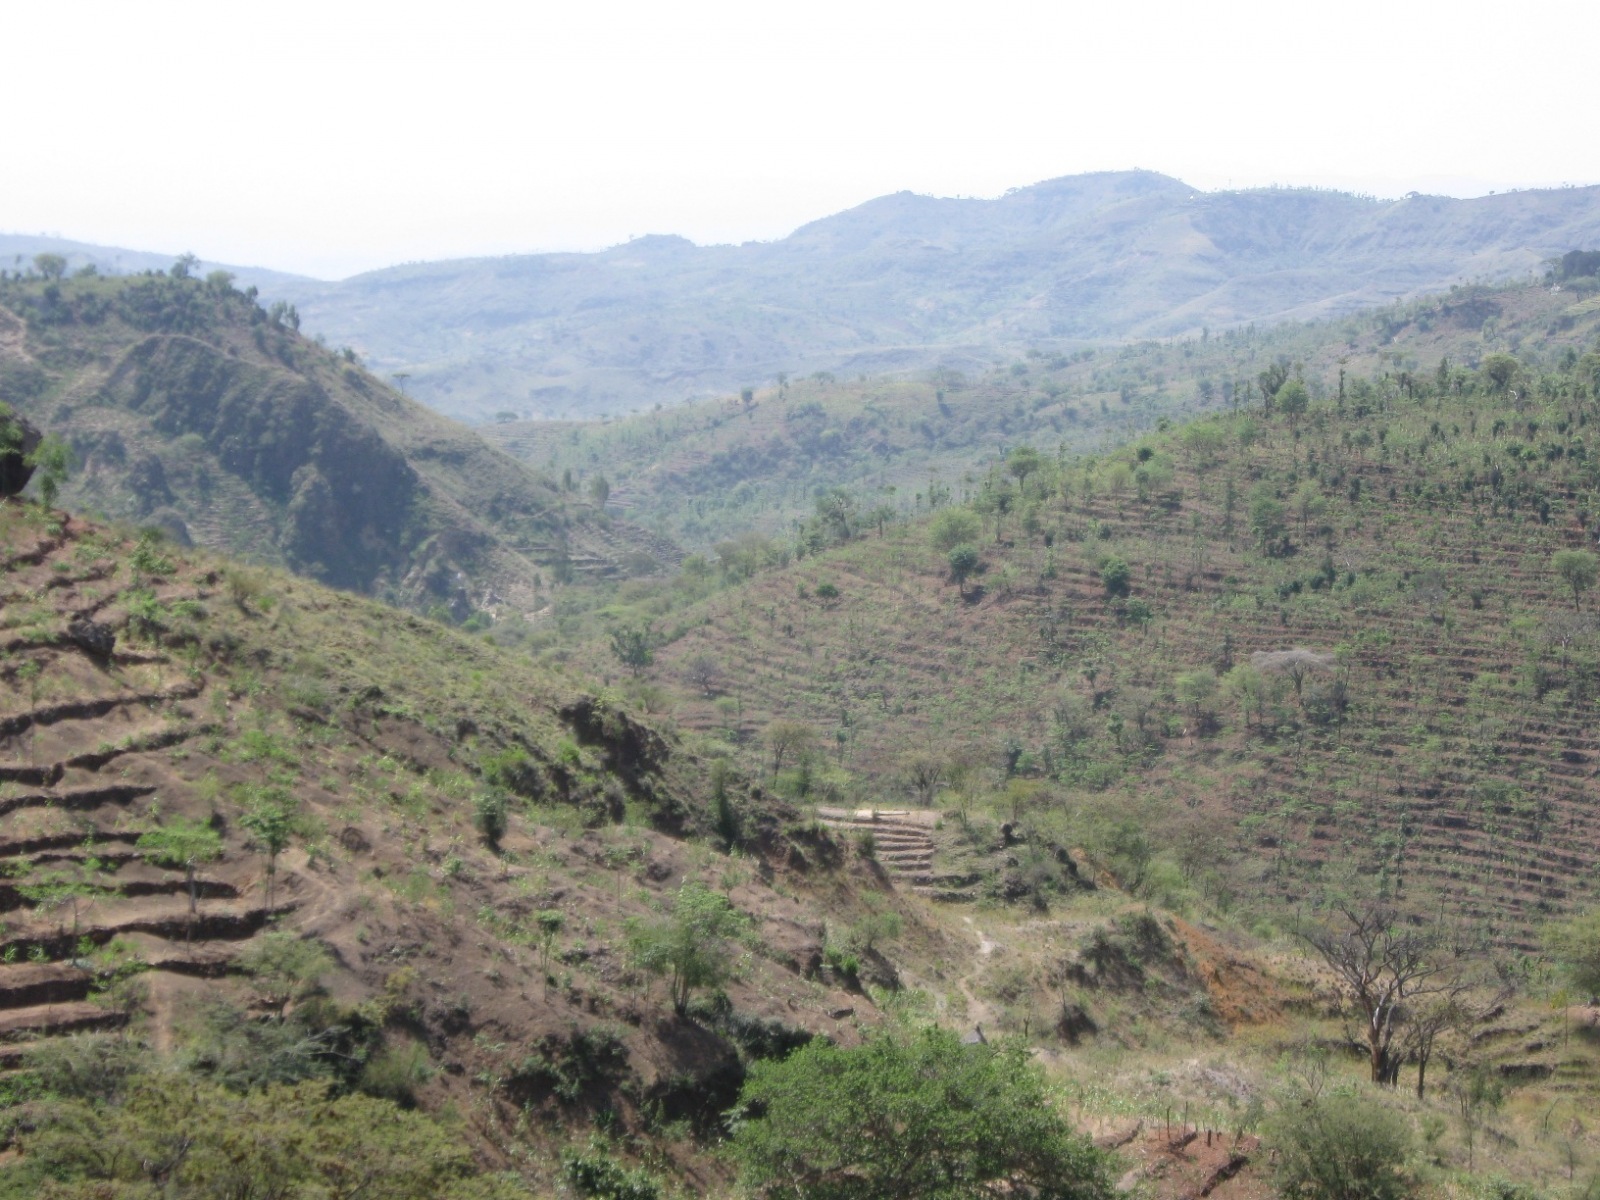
490,817
1343,1147
1115,576
921,1116
595,1173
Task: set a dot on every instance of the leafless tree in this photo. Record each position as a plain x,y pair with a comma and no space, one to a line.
1296,665
1564,630
1458,1003
924,771
704,673
1385,970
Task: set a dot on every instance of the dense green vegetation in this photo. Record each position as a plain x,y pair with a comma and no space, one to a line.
918,1117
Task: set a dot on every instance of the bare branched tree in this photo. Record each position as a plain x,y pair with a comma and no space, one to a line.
1385,970
1297,665
924,771
705,673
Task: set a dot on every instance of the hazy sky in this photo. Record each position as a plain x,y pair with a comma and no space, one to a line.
330,137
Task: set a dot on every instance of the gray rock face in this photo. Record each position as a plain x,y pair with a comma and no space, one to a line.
18,439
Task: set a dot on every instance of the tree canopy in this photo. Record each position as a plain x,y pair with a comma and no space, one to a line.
922,1117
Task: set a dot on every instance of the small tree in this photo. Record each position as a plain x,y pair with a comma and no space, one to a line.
1577,569
1383,967
963,561
490,816
1575,945
632,644
789,739
724,814
271,823
705,673
691,946
1022,462
1195,690
600,491
183,843
1297,666
550,924
64,889
953,527
1115,576
51,459
1477,1091
924,771
1293,400
286,966
1267,519
51,266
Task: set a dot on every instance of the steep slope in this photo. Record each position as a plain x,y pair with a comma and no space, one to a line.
910,281
191,407
341,756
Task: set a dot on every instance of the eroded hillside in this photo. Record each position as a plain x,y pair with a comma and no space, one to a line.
192,408
335,763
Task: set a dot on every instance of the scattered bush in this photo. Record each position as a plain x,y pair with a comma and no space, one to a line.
1341,1147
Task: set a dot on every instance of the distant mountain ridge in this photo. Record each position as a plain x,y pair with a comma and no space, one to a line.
906,280
17,252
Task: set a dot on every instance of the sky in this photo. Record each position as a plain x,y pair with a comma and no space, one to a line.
340,136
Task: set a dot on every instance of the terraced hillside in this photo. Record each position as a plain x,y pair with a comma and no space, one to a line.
254,832
233,802
192,408
712,470
1284,644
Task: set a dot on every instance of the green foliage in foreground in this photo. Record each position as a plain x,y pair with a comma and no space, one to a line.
180,1139
1340,1147
924,1117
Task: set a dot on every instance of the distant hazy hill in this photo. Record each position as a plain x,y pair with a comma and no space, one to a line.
17,251
191,407
906,280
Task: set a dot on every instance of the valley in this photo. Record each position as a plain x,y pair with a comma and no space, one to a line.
566,809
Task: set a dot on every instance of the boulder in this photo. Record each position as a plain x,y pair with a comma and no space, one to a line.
94,637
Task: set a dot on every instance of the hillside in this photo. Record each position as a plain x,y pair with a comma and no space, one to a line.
711,470
905,282
262,835
191,407
342,756
1281,646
